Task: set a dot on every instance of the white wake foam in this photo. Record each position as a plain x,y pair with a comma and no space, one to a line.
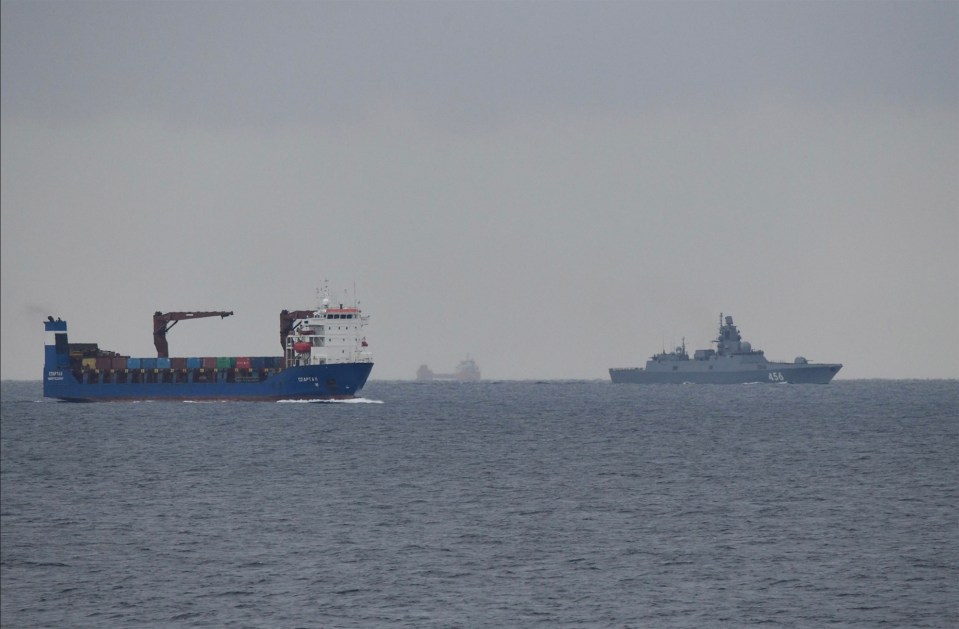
356,400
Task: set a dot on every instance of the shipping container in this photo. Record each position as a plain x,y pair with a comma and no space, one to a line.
163,363
265,362
148,363
133,363
120,362
243,362
84,350
194,363
225,362
89,363
104,362
209,363
178,363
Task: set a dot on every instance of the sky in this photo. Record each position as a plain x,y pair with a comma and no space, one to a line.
552,188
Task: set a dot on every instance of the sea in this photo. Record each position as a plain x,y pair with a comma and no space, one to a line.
489,504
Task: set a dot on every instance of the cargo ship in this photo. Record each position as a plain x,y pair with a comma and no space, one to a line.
325,356
466,371
734,361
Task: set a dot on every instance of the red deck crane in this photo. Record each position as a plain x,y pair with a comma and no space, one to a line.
163,321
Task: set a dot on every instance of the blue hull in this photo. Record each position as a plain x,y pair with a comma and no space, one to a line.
312,382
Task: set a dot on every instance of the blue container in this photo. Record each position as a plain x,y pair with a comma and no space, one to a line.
133,363
258,362
194,363
163,363
148,363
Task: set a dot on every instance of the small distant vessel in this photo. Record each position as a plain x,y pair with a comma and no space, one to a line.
734,361
466,371
325,356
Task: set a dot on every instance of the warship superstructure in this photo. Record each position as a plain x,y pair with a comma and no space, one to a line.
734,361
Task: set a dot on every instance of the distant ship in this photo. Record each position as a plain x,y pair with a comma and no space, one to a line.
733,361
466,371
325,356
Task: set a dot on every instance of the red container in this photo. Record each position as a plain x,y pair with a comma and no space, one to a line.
120,362
209,363
104,362
243,363
178,363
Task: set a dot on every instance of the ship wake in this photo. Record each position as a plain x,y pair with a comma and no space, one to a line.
356,400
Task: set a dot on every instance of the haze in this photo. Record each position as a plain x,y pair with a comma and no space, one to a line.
553,188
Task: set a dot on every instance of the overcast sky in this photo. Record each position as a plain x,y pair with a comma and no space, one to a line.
553,188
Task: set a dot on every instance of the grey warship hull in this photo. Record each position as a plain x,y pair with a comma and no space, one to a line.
772,374
733,361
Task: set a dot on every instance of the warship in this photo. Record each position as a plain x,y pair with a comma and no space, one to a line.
734,361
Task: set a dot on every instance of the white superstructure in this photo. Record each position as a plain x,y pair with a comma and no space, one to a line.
330,335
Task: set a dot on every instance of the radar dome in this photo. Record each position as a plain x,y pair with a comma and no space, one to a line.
746,346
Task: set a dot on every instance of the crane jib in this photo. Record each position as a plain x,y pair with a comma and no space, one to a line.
164,321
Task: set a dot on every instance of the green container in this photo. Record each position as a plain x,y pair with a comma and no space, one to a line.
226,362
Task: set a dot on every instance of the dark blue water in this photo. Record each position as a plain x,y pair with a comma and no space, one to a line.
573,504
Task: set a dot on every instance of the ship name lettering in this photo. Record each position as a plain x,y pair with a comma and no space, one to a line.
54,375
308,379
